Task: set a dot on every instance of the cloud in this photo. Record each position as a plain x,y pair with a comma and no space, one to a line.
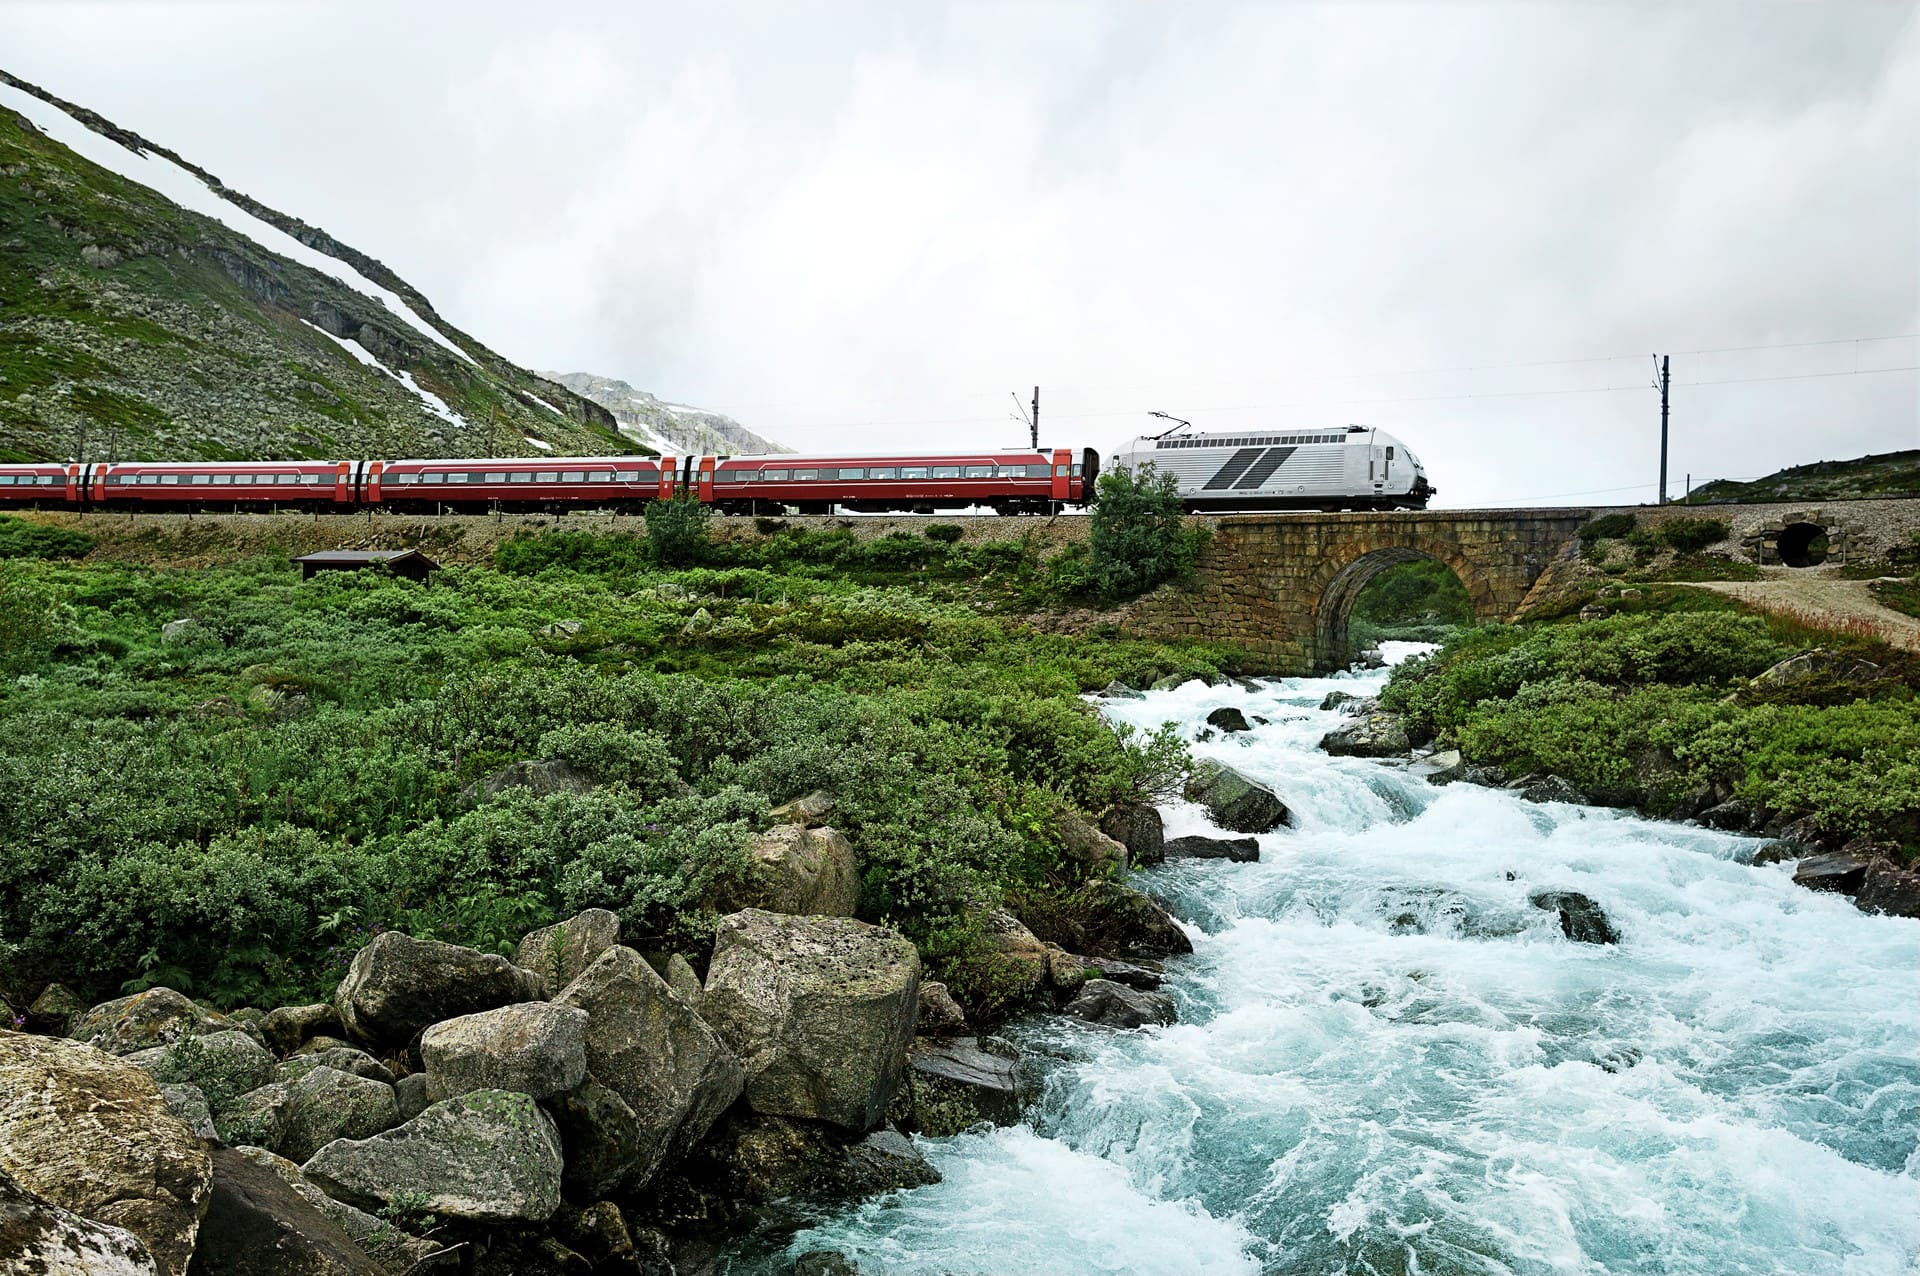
864,224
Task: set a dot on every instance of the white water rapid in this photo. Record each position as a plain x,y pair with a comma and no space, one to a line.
1389,1062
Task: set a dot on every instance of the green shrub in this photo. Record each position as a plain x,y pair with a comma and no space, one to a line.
20,538
31,622
945,533
677,532
1138,536
1691,535
1608,527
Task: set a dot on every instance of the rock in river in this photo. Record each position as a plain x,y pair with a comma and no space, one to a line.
1581,920
1241,850
1836,871
1115,1005
1228,720
951,1085
1236,801
1138,827
1887,889
1374,735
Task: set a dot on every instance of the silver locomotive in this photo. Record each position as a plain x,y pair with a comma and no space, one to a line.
1346,468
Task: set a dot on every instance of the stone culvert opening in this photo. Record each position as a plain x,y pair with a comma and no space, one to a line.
1802,544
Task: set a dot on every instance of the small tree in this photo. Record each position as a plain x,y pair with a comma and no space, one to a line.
1139,536
677,531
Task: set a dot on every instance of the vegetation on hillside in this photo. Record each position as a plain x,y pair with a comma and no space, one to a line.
1884,474
233,808
138,329
1657,707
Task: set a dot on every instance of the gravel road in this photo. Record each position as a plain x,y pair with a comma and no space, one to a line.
1822,595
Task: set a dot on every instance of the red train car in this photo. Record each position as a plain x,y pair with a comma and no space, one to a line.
41,483
159,485
520,483
1007,482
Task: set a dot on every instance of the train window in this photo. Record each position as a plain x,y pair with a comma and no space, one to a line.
573,478
170,478
495,478
774,476
979,471
733,476
913,471
1039,471
855,472
805,474
224,479
1389,454
522,476
601,476
547,476
1076,471
946,471
884,472
451,478
1063,470
7,480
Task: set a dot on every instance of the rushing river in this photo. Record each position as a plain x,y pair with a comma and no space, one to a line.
1388,1062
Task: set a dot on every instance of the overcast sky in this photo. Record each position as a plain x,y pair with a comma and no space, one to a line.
863,225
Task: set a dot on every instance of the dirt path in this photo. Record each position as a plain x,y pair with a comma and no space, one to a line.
1822,596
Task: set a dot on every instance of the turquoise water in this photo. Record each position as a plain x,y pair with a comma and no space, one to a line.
1388,1062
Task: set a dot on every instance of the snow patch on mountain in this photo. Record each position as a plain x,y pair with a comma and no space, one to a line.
676,429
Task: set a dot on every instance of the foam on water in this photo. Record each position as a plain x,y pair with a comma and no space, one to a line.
1389,1061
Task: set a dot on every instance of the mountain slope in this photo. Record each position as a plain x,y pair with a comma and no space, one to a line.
667,427
1883,474
147,311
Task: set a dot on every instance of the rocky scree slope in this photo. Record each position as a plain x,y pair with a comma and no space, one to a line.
134,327
667,427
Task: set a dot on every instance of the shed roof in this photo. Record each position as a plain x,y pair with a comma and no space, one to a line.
363,557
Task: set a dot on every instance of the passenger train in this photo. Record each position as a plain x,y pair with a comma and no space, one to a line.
1355,468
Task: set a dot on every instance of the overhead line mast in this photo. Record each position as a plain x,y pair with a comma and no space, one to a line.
1662,382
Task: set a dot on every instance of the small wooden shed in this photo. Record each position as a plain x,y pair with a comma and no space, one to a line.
410,563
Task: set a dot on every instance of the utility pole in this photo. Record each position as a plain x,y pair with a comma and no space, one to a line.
1662,385
1035,423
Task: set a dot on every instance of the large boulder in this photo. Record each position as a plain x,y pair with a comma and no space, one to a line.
953,1085
538,777
258,1225
1836,871
287,1028
753,1159
398,985
1581,920
1375,735
222,1064
92,1134
1236,801
1819,665
535,1047
1106,919
940,1014
558,953
486,1157
1889,889
190,1105
1228,721
1015,959
1087,846
55,1010
1138,827
397,1252
345,1058
819,1011
156,1017
793,868
40,1238
811,809
1115,1005
329,1104
657,1075
257,1118
1241,850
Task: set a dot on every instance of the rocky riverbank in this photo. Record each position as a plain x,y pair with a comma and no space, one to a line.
578,1108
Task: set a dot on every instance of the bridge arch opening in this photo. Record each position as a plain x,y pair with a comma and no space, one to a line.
1802,544
1389,592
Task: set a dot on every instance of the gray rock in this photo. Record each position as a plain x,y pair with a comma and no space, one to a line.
1241,850
1735,815
1066,971
1114,1005
486,1157
1371,658
1820,664
222,1064
144,1020
1117,690
954,1085
1138,827
1171,681
535,1047
558,953
1376,735
257,1118
397,1252
683,980
40,1238
1147,978
537,777
1107,919
1836,871
258,1225
940,1014
412,1095
818,1010
810,810
345,1058
1016,960
1887,888
658,1075
329,1104
1236,801
1083,844
804,871
287,1028
1581,920
55,1010
92,1134
1546,788
180,633
398,985
824,1262
1338,700
186,1101
753,1159
1229,721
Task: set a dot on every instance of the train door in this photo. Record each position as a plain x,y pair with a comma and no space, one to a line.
1376,464
343,482
706,480
1062,489
668,473
76,484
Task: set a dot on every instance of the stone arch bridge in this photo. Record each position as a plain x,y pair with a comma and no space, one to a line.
1283,585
